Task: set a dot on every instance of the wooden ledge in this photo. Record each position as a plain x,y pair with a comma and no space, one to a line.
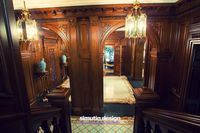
59,92
145,94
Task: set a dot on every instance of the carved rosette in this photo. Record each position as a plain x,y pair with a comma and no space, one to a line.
94,21
73,22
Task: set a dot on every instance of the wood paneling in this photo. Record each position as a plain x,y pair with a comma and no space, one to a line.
126,57
84,31
86,73
14,112
117,59
27,68
137,59
50,47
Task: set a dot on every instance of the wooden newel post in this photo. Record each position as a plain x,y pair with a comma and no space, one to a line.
145,98
59,97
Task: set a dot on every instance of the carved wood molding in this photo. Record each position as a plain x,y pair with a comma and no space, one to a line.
101,10
73,21
94,20
108,27
61,29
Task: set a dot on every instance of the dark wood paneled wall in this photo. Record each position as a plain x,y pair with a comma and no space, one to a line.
84,31
87,34
126,57
182,50
50,47
137,61
14,109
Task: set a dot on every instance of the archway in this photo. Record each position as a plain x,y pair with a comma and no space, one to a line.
152,37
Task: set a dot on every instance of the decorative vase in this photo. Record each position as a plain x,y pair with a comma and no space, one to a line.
42,66
64,59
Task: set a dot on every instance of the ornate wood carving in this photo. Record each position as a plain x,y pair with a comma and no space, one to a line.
153,10
94,20
73,21
85,30
61,28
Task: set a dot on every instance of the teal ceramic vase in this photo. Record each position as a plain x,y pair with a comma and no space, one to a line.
42,66
64,59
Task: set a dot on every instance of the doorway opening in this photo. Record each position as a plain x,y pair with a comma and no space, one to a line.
108,60
118,96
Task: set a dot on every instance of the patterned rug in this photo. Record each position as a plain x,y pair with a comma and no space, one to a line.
117,89
122,125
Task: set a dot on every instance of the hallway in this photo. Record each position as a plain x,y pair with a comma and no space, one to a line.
117,89
119,100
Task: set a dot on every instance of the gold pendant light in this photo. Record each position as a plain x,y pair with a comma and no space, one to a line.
136,22
27,28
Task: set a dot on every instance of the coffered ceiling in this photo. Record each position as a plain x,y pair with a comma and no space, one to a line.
18,4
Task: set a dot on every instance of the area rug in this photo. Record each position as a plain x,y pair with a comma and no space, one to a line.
117,89
122,125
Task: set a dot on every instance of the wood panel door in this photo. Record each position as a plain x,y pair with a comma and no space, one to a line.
117,60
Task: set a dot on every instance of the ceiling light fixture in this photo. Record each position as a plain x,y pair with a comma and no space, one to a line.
27,28
136,22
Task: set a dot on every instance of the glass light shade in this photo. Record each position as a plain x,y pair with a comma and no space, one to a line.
142,25
27,28
31,30
135,26
20,30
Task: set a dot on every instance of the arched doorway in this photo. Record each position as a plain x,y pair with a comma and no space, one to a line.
151,49
150,44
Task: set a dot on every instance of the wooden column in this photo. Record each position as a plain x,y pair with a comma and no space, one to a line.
158,72
96,67
86,66
74,68
152,69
